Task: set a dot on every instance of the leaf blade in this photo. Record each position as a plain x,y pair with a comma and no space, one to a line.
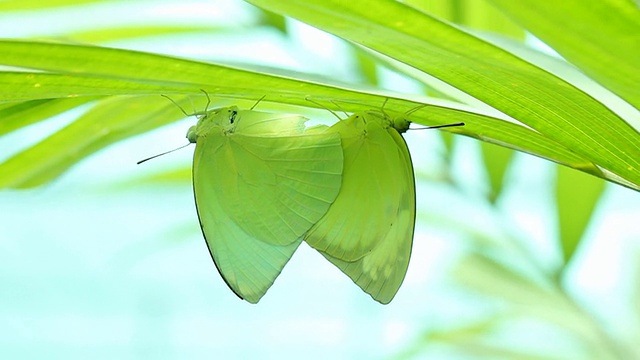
525,92
605,47
576,197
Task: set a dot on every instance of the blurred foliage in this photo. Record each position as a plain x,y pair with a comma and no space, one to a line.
461,52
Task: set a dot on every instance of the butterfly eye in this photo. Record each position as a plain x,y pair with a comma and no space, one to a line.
232,117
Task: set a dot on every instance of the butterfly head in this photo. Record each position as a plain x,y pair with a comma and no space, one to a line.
400,123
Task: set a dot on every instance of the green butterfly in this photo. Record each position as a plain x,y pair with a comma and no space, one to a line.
368,230
261,181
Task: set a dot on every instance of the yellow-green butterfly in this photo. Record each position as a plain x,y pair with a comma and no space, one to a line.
368,231
260,181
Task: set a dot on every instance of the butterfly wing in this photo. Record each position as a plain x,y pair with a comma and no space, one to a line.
257,195
285,184
368,231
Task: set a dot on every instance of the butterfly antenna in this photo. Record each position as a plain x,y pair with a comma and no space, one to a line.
258,102
415,109
322,106
382,108
206,107
164,153
176,104
439,126
339,107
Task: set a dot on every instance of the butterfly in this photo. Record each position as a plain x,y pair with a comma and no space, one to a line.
260,182
368,230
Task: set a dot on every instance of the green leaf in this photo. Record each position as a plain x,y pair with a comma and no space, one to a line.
11,5
129,32
577,196
525,92
477,14
496,162
179,176
492,278
600,37
25,86
274,20
17,115
110,121
543,301
368,67
476,340
73,71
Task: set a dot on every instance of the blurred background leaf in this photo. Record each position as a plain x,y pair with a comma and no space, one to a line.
577,197
496,162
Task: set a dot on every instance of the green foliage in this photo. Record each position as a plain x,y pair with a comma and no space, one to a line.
577,197
581,114
563,123
496,162
605,50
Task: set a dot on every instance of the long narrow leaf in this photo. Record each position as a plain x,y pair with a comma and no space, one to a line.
93,71
525,92
576,197
17,115
601,37
109,122
496,162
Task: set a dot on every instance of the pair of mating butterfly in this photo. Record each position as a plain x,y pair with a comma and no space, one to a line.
264,182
